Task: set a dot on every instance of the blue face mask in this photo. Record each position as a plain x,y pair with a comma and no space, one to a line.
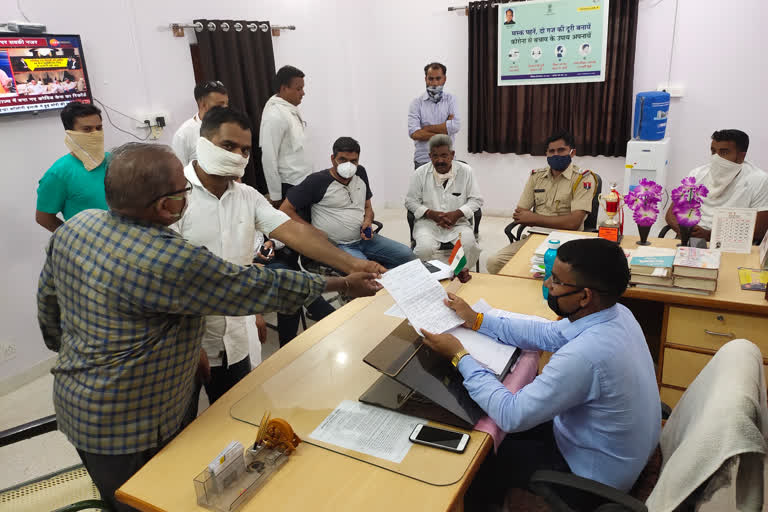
559,162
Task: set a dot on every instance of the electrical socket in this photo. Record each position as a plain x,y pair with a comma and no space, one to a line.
7,352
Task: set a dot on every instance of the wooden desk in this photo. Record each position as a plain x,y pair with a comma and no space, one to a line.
315,478
693,326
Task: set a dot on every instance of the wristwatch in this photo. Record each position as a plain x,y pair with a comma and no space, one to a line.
457,357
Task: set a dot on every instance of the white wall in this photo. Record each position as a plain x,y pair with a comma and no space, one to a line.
363,62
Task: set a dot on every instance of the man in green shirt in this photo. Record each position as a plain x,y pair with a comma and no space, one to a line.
75,182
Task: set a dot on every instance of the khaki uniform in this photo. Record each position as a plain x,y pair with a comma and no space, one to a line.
572,190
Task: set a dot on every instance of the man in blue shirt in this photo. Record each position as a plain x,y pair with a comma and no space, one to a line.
75,182
595,408
432,113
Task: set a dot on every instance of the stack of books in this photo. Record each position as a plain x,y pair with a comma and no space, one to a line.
651,267
537,260
696,269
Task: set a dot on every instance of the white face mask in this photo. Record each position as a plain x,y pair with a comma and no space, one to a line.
346,170
721,174
218,161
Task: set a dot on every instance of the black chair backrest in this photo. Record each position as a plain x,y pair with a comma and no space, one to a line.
590,223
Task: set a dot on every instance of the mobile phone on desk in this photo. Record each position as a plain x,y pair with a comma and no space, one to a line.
445,439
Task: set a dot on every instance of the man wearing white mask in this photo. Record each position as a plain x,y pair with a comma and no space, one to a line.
207,95
732,181
338,202
224,216
432,113
281,135
75,182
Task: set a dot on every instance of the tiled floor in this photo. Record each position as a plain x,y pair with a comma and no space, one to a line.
45,454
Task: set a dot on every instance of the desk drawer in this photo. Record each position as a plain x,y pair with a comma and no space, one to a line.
711,329
681,367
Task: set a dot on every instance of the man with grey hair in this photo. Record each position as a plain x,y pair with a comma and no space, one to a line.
122,297
443,196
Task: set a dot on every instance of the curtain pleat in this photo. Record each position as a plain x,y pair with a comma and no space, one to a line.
244,61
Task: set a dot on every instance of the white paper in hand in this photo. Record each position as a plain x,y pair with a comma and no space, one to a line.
420,297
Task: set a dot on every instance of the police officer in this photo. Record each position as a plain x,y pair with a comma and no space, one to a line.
557,196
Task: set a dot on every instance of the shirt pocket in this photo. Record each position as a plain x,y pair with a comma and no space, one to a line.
539,198
563,201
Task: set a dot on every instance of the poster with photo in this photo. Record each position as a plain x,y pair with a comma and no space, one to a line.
552,42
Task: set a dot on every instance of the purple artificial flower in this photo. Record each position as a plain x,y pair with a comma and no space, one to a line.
686,200
643,200
645,215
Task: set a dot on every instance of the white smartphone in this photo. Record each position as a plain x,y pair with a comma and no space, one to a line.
450,440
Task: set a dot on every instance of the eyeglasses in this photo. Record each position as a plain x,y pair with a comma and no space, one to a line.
213,84
556,280
176,194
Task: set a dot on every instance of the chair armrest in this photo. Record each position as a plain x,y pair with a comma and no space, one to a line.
28,430
510,231
666,229
379,226
547,484
85,505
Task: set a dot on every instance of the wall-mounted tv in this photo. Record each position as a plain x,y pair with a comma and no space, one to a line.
41,72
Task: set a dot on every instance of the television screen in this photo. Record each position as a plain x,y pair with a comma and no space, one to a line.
41,72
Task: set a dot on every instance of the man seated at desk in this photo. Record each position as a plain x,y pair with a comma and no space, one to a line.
338,201
558,196
443,196
732,181
595,409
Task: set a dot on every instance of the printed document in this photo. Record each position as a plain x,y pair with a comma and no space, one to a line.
367,429
420,298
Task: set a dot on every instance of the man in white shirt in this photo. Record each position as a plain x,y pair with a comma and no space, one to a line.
224,215
207,95
281,135
443,196
35,88
732,181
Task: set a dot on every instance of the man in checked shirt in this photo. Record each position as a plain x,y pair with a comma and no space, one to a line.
122,298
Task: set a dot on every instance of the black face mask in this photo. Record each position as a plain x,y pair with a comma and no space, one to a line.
554,306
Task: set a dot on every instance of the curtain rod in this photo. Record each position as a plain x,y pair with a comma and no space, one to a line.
178,28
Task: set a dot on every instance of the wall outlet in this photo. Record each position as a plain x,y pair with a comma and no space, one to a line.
7,352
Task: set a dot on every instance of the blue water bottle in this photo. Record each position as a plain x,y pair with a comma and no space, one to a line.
549,261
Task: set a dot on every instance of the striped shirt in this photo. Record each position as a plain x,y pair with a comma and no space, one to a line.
122,301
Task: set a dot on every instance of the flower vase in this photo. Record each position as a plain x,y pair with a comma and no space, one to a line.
644,232
685,236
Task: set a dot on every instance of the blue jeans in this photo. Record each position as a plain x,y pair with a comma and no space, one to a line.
379,249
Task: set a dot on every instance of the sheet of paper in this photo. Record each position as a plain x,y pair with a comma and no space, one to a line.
659,272
367,429
733,229
395,311
486,350
445,270
420,297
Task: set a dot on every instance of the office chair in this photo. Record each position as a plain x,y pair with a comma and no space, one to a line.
715,391
514,230
448,246
50,490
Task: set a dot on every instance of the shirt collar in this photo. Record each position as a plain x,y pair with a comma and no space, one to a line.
567,173
191,175
571,330
124,219
425,97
